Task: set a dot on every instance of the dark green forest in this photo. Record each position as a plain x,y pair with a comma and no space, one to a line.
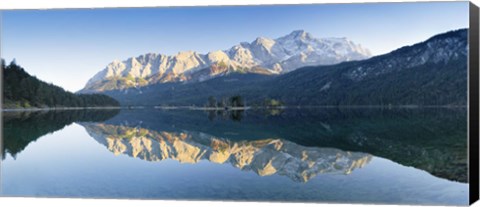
21,90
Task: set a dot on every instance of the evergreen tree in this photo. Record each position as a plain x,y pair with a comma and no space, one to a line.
236,101
212,102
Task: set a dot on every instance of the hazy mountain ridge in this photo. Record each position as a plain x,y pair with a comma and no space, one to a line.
262,56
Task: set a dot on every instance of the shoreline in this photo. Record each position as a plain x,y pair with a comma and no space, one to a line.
59,109
232,108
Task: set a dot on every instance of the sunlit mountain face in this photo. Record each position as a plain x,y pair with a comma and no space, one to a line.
264,157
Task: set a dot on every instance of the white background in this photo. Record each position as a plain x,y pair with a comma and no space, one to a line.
45,4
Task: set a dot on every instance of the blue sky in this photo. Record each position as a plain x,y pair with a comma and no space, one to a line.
67,47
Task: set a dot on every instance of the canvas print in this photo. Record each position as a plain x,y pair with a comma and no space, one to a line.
325,103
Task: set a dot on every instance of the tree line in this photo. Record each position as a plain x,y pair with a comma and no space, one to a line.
234,101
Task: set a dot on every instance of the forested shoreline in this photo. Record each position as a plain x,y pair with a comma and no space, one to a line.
21,90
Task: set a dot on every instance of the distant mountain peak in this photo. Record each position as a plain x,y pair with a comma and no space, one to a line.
266,42
298,34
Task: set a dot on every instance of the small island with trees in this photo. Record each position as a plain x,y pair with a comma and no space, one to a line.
237,102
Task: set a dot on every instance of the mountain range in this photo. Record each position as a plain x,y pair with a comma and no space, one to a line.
262,56
432,72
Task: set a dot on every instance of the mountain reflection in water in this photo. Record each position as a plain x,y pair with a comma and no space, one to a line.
298,144
264,157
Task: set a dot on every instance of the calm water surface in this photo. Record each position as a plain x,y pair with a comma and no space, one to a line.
408,156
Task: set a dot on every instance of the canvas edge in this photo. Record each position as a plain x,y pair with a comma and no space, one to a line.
1,102
473,92
473,103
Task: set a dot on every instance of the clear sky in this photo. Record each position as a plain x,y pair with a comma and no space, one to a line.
67,47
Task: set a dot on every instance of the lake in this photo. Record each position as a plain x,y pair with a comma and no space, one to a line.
334,155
